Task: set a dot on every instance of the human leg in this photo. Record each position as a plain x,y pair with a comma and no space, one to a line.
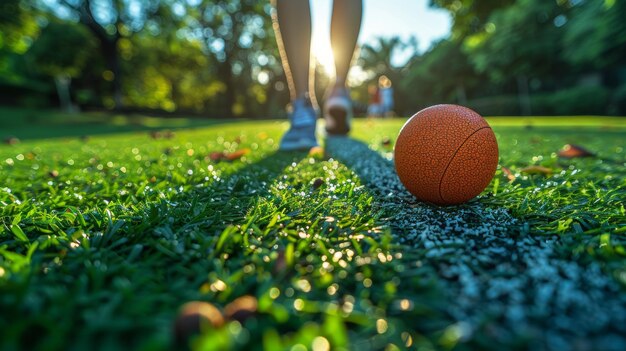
292,24
345,27
344,32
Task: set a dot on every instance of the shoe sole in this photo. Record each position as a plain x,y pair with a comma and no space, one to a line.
339,116
300,145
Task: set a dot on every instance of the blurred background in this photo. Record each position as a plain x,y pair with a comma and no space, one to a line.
218,58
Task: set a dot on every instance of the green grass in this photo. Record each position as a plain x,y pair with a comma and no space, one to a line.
102,240
28,124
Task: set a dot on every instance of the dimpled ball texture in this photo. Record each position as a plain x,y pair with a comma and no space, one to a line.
446,154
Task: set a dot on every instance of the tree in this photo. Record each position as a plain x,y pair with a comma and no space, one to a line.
18,27
109,21
61,51
470,16
522,44
238,38
443,74
169,73
377,58
595,35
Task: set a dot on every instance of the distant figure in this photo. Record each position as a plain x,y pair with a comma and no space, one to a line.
374,106
386,96
292,23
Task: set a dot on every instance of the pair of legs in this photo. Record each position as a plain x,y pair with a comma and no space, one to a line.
292,23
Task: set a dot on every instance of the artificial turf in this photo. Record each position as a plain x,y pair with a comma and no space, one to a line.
102,239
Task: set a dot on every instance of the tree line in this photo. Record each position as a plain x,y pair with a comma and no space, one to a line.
218,58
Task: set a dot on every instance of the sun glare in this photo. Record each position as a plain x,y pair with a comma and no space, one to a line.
323,53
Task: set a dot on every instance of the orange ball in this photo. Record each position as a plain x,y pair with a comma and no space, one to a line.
446,154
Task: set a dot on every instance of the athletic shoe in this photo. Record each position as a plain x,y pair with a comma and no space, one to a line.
338,112
301,134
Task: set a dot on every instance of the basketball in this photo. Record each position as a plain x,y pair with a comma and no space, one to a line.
446,154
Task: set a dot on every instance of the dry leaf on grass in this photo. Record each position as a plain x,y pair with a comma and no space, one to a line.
537,170
216,156
317,152
574,151
237,154
318,182
508,174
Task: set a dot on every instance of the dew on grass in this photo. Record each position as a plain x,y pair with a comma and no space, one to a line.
320,343
459,248
381,326
298,304
274,293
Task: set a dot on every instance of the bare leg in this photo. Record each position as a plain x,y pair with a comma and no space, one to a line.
292,24
344,31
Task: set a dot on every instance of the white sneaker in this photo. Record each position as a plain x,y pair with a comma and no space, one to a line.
338,112
301,134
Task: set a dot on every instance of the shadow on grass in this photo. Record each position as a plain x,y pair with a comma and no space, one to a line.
352,152
29,124
144,237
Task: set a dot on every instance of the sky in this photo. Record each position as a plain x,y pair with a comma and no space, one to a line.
403,18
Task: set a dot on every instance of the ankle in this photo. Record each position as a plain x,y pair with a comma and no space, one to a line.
305,96
340,83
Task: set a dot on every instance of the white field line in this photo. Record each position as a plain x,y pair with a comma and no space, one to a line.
515,285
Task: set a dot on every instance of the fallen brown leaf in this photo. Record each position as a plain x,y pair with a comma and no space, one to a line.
509,175
317,152
241,308
216,156
194,318
574,151
536,170
237,154
318,182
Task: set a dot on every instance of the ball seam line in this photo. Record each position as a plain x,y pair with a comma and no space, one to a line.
452,158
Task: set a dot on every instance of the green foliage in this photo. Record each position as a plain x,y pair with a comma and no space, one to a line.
500,105
159,83
470,16
238,38
62,49
579,100
220,57
17,26
595,35
441,74
522,41
592,100
619,97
